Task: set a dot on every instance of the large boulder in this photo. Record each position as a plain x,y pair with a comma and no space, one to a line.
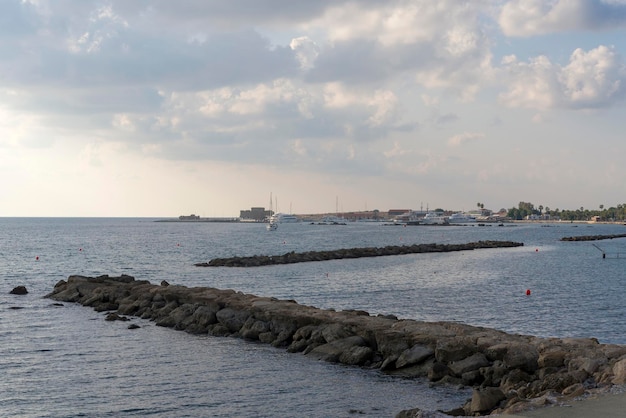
469,364
619,372
349,350
232,319
414,355
522,356
454,349
485,400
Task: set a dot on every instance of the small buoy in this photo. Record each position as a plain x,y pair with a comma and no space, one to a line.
527,292
37,258
80,249
536,250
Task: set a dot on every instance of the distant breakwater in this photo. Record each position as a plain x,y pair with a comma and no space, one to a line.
593,237
293,257
509,372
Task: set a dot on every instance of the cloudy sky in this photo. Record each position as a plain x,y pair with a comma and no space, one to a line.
163,108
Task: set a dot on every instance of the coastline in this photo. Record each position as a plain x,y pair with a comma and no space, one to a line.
510,373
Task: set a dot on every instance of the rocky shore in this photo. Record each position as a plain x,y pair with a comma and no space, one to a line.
509,373
293,257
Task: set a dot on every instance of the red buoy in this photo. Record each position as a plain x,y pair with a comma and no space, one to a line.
37,258
527,292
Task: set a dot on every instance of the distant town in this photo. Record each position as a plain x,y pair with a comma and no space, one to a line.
525,211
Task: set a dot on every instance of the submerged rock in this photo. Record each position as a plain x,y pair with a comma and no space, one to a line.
19,290
509,372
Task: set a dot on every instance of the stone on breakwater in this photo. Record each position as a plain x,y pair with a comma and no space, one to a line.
293,257
508,372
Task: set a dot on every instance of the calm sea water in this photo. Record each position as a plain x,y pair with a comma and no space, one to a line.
67,361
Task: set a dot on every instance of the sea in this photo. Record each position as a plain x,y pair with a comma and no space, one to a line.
66,361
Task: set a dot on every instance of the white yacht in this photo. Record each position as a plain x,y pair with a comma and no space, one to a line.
434,218
284,218
331,220
461,218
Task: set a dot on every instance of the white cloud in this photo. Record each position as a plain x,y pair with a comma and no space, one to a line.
396,151
537,17
306,51
465,137
533,84
591,79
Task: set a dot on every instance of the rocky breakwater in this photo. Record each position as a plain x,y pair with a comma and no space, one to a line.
509,373
293,257
593,237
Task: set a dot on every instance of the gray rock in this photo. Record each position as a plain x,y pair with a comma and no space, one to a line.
414,355
232,319
472,363
486,399
454,349
522,356
334,350
19,290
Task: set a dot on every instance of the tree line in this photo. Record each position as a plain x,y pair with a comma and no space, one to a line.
527,209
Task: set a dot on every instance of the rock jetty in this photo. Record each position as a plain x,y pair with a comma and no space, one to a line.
293,257
508,372
593,237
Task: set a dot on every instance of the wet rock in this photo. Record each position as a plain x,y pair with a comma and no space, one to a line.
115,317
19,290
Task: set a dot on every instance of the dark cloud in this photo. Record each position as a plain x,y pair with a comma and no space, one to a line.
233,58
600,14
232,13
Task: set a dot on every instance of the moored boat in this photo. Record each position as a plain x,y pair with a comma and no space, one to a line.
284,218
434,218
461,218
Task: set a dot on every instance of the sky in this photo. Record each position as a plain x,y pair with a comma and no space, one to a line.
160,108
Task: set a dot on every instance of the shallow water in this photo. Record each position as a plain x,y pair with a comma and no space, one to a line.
67,361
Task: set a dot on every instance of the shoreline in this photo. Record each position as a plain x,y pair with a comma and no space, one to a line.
509,373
